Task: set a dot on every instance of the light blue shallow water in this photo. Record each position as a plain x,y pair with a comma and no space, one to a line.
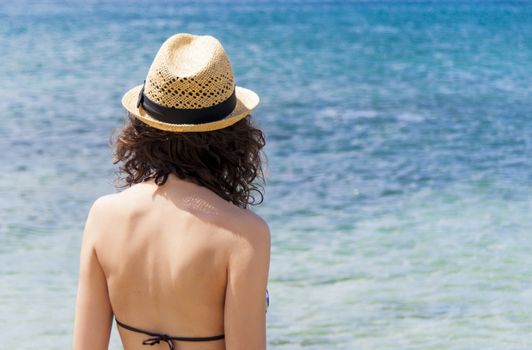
399,144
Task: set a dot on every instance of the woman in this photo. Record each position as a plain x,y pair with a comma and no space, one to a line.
177,258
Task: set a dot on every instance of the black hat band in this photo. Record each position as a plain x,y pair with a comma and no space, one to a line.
186,115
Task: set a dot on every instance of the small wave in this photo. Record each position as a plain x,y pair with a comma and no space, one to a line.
410,117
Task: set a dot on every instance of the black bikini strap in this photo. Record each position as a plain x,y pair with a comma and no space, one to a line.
156,338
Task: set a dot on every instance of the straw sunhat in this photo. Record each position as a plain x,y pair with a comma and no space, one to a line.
190,87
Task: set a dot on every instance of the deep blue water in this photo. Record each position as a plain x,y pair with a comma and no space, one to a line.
400,161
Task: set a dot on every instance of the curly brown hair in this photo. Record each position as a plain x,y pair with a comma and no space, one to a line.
226,161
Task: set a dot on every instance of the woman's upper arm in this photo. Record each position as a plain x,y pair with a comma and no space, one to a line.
245,301
93,315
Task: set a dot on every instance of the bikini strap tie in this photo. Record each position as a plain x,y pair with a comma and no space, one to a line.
159,338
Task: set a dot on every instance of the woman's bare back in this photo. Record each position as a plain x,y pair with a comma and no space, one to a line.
165,253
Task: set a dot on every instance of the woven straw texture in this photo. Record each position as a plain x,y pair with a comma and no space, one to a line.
191,72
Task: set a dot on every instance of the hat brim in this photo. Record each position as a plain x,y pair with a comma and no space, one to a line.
246,99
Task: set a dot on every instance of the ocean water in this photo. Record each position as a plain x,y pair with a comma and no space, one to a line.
399,175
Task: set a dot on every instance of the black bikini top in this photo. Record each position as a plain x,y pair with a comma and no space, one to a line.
156,338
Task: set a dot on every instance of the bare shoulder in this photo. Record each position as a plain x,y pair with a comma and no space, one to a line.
104,204
251,229
101,211
255,220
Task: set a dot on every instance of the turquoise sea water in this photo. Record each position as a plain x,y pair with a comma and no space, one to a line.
400,161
